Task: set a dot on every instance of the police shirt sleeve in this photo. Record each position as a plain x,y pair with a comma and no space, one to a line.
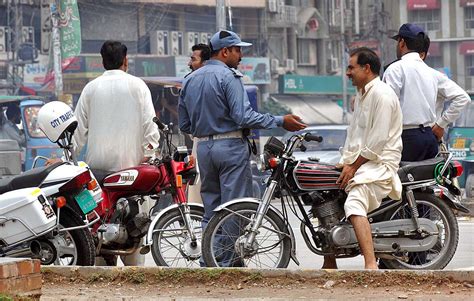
394,78
183,116
448,90
239,105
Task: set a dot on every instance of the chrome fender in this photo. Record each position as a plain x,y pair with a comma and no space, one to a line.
274,210
149,235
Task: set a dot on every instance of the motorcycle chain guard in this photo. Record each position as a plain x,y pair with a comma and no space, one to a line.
343,236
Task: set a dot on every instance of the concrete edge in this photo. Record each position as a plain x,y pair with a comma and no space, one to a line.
74,271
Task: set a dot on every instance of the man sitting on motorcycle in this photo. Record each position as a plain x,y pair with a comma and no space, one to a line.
372,151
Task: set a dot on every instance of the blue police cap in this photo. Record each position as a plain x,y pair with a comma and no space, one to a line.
226,38
408,30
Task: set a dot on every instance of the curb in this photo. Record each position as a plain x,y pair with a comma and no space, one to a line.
466,276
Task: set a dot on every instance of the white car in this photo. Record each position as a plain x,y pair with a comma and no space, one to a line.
326,151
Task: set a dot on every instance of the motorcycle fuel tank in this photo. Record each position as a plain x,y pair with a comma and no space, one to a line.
309,175
138,179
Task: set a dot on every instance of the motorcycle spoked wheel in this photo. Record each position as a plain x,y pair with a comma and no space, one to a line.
438,257
227,230
75,247
171,243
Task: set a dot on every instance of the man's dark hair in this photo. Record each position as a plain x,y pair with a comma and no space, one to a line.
426,45
366,56
13,111
205,51
113,54
415,44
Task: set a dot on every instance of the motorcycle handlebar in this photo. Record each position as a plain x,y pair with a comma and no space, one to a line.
160,124
309,137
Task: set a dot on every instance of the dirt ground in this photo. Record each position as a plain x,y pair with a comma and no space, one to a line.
237,284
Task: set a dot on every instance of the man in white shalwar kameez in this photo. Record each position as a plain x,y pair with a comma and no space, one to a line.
372,151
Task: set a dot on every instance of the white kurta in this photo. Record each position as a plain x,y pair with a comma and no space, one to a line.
375,134
115,118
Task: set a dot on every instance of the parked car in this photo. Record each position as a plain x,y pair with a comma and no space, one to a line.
334,137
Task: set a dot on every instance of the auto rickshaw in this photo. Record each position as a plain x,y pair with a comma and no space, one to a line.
36,142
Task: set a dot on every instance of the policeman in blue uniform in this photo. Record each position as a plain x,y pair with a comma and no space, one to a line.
214,107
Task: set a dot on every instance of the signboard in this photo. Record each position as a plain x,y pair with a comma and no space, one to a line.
153,66
34,74
256,70
69,29
323,85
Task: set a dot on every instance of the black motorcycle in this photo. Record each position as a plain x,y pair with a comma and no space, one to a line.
420,231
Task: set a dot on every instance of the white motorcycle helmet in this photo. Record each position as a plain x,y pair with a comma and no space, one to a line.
56,119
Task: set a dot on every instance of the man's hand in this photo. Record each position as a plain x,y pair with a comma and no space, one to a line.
51,161
438,131
293,123
348,172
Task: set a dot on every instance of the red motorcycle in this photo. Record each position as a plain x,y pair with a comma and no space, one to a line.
174,234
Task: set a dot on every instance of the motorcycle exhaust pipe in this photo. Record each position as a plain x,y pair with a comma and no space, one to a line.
26,252
35,248
119,252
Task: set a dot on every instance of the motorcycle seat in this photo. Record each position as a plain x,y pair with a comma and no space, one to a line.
100,175
30,178
418,171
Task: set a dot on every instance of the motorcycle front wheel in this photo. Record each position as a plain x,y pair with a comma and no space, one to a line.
172,245
227,232
438,257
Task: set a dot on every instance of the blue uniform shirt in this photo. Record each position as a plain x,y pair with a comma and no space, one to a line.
213,100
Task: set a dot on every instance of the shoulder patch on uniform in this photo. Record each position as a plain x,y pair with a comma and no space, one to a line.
236,72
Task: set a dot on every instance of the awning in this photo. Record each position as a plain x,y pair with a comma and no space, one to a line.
467,3
311,109
466,48
435,49
423,4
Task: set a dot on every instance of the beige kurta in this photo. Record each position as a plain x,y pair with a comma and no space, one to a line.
375,133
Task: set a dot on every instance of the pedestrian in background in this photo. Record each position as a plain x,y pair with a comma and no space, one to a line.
214,107
200,55
115,119
417,86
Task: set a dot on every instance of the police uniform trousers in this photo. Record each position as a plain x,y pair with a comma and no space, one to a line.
225,173
419,144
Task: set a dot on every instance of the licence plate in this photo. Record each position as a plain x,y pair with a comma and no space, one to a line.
86,201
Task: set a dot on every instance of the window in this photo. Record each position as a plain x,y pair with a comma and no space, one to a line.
469,17
434,61
469,65
428,19
306,52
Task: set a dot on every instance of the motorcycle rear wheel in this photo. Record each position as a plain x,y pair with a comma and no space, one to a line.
76,247
171,243
270,241
438,257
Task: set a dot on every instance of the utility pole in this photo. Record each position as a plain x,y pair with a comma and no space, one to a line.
343,66
14,36
58,73
220,15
